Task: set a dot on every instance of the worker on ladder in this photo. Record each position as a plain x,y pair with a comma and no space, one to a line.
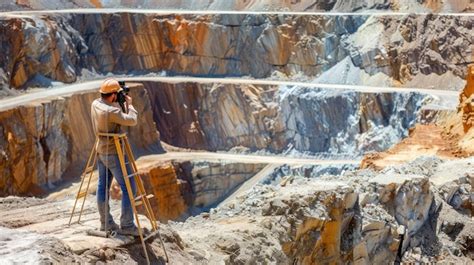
107,117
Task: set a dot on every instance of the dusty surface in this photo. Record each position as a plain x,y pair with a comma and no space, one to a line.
46,221
423,140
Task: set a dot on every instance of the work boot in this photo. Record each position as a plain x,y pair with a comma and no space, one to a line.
104,215
112,226
129,231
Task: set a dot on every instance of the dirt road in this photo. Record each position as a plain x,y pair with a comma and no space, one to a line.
70,89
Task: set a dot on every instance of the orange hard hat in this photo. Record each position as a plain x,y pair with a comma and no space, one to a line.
109,86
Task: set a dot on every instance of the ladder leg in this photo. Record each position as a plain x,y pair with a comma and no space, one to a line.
75,202
87,188
140,186
92,157
125,173
149,209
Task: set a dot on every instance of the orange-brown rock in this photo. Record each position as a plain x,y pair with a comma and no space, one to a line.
161,180
430,139
466,100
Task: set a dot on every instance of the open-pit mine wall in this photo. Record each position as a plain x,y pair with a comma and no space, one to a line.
279,119
42,140
43,48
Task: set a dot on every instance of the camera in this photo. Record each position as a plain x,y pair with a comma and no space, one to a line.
121,95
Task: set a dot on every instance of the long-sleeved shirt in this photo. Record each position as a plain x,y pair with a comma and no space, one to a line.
107,118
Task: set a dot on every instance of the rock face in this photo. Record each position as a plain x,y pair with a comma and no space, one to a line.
253,5
421,44
466,101
213,45
45,141
162,181
278,118
42,140
183,188
352,218
211,182
37,50
42,49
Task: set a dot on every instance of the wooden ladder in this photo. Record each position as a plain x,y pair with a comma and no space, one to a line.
142,198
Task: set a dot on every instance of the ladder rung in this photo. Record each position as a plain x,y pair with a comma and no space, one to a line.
119,135
152,234
88,170
81,195
132,175
139,201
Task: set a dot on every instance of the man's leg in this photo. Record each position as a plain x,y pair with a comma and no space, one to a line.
103,188
126,218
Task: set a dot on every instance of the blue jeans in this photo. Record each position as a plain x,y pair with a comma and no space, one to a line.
109,165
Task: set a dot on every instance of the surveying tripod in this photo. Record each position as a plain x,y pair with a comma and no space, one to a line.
123,149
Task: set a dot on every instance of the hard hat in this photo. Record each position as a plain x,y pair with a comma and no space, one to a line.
109,86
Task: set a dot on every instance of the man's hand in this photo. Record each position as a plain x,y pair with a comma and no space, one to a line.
128,99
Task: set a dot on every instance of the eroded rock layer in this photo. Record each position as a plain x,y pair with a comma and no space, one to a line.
42,49
356,217
466,101
183,188
280,118
41,140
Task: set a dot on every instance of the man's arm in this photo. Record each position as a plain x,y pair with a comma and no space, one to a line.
126,119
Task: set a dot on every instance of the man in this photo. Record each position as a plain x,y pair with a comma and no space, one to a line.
108,117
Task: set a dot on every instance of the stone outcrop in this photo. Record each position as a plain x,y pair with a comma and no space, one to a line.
278,118
42,49
183,188
44,139
466,101
309,221
254,5
352,218
414,51
211,182
161,180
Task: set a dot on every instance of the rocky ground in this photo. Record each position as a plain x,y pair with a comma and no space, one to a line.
353,217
